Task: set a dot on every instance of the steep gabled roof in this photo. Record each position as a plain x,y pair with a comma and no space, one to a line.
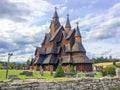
51,50
55,14
77,32
68,48
47,60
55,34
70,34
66,59
68,23
40,60
80,59
47,36
54,60
32,61
78,47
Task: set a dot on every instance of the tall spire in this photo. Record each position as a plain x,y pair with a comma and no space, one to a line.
55,16
77,32
67,26
55,24
68,22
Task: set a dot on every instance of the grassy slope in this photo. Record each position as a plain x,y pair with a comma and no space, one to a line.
17,72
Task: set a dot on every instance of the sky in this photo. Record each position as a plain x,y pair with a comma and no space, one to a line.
23,24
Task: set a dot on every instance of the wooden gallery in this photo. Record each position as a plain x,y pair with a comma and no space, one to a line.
62,45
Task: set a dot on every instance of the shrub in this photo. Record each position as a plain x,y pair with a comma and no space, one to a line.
110,70
72,70
114,63
118,65
59,72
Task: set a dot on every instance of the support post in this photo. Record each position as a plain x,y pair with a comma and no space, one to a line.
51,70
41,70
9,55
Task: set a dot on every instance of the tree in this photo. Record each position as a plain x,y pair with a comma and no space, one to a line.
0,66
114,63
72,70
110,70
59,71
28,64
12,65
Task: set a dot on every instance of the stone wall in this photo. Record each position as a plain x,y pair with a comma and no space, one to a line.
77,84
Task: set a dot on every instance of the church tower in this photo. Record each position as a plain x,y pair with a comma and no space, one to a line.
55,24
77,35
67,26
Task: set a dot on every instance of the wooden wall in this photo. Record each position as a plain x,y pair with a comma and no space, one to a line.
84,67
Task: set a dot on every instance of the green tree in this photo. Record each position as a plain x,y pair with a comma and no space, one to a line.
28,64
12,65
59,71
114,63
0,66
110,70
72,70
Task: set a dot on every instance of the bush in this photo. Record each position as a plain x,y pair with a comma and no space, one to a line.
114,63
59,72
118,65
110,70
72,70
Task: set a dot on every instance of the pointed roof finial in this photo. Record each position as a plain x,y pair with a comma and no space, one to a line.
55,13
77,33
68,22
77,23
55,8
67,15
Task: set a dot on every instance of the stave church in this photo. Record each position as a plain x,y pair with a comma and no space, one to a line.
61,45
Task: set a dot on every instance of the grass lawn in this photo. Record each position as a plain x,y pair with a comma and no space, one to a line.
36,74
98,75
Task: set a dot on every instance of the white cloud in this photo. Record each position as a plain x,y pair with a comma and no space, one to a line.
21,38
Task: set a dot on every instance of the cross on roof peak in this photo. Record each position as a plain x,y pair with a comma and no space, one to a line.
77,23
67,15
56,8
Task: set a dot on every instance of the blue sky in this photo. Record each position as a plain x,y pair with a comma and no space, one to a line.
23,24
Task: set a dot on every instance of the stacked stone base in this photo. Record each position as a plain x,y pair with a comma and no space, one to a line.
78,84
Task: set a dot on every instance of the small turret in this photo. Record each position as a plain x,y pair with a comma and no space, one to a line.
55,16
67,26
55,24
77,35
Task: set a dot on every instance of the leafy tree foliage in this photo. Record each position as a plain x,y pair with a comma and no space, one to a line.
103,59
110,70
72,70
59,71
0,66
27,64
114,63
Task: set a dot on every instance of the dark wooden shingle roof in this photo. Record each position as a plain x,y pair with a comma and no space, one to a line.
55,34
78,47
70,34
81,59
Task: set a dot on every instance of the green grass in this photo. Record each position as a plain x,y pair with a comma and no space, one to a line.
98,75
82,75
36,74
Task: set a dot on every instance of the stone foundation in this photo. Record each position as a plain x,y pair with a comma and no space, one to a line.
77,84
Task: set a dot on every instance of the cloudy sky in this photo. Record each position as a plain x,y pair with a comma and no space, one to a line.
23,24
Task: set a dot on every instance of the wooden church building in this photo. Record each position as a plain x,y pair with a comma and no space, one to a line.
62,45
